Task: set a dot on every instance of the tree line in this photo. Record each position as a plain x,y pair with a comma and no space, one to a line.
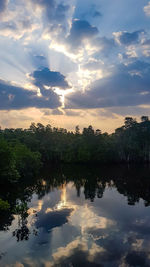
23,149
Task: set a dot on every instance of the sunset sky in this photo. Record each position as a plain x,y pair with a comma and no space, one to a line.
74,62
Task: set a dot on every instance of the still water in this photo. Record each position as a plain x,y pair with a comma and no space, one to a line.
79,216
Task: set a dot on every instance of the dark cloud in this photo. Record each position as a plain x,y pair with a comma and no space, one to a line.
8,25
136,258
127,38
25,23
53,219
3,5
80,30
97,14
55,16
13,97
146,42
45,77
127,86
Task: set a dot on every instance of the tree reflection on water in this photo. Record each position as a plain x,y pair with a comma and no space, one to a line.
131,181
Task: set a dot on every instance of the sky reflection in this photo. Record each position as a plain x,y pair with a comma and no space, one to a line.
67,229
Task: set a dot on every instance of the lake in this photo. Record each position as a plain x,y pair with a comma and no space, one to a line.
79,215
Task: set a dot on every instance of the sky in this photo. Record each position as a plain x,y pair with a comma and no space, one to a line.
74,62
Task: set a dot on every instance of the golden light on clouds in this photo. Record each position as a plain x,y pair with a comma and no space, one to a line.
99,119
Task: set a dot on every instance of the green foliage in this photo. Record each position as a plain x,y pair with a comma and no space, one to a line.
21,149
8,169
4,205
27,162
17,160
21,209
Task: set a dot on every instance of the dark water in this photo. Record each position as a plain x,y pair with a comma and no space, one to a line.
79,216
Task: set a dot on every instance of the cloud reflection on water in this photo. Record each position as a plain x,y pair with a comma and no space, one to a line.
85,223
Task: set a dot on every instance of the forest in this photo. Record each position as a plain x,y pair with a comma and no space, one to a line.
24,151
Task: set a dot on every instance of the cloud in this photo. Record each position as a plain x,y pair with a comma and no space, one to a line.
16,27
45,77
74,113
8,25
136,258
57,112
126,86
79,253
146,42
93,65
61,62
52,219
103,45
146,47
60,12
147,9
3,5
127,38
91,12
39,60
54,13
27,16
97,14
81,30
45,3
14,97
48,112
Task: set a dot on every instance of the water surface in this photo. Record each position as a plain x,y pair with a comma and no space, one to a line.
79,216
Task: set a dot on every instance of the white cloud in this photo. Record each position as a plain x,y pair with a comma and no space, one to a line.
147,9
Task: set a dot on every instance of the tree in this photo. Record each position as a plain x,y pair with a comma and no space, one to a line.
129,122
32,127
27,162
8,170
88,131
77,130
144,118
98,132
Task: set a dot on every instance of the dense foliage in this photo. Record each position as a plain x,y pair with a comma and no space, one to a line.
17,161
129,143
